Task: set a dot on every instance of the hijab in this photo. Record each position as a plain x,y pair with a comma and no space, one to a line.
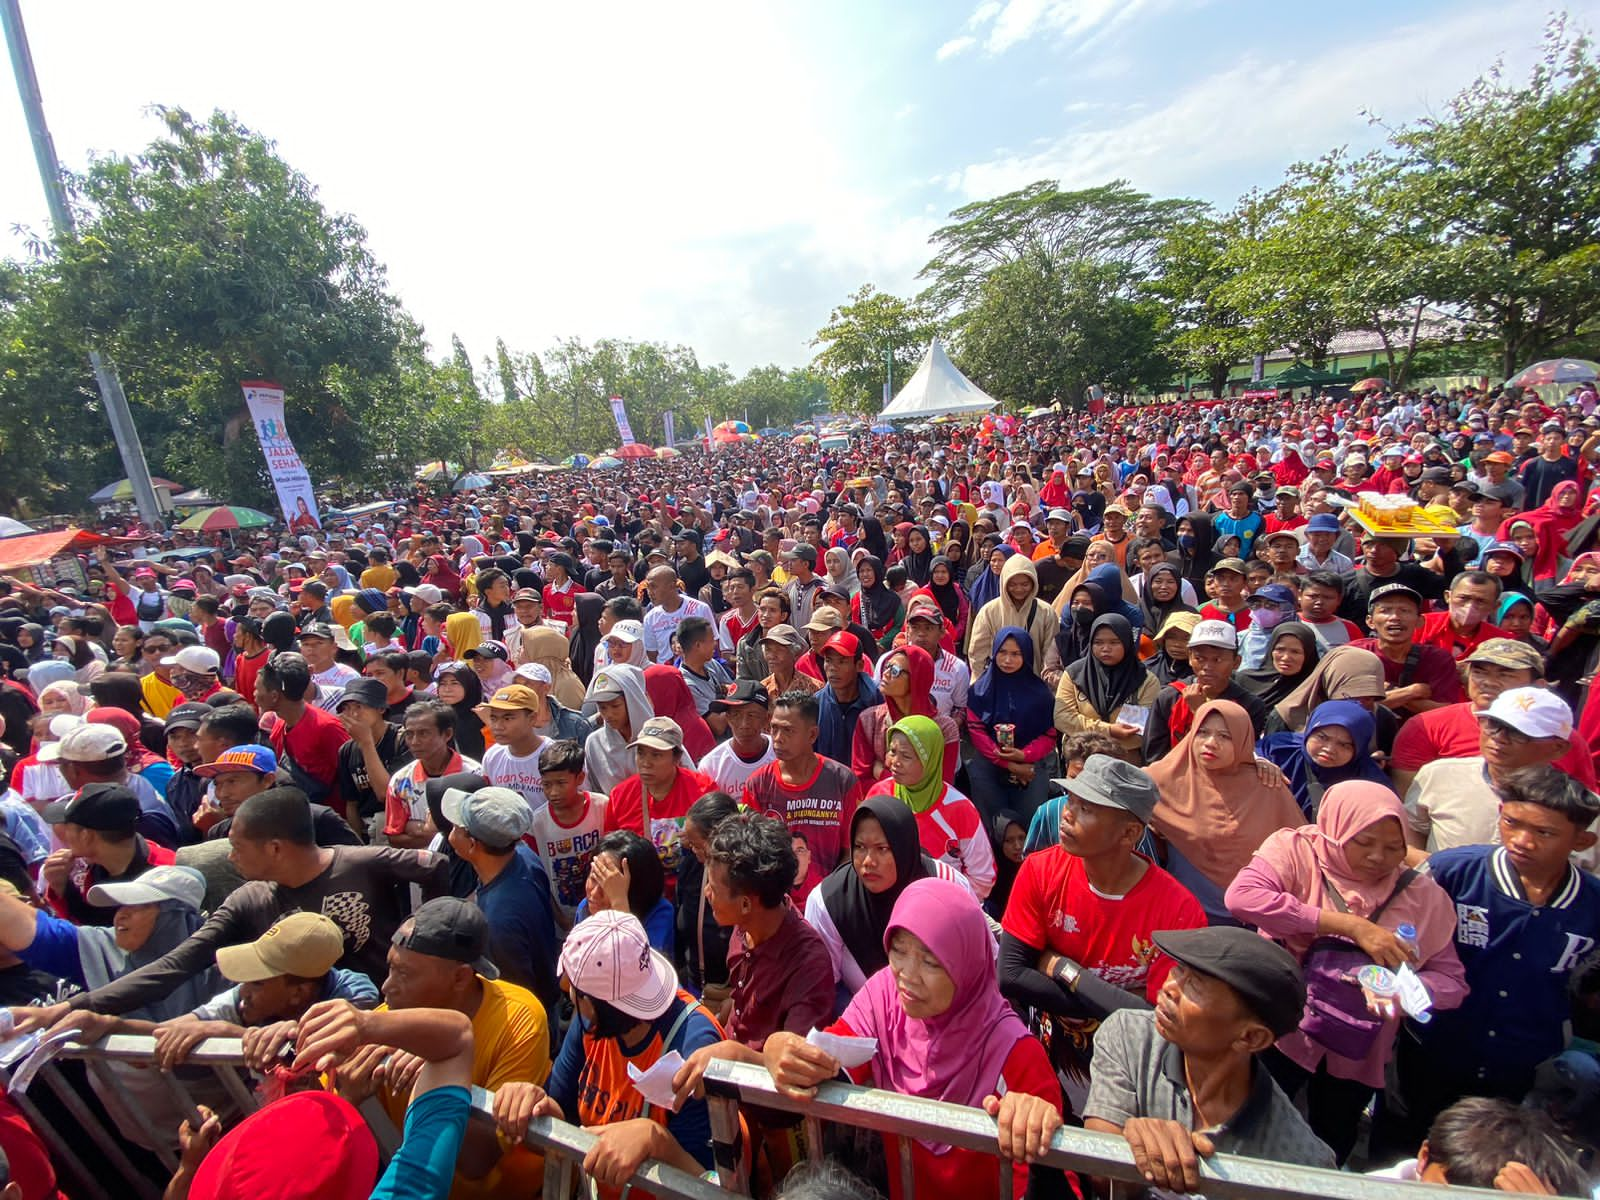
1108,688
586,636
1199,558
1161,664
103,961
1347,673
343,608
841,573
39,650
879,603
67,689
859,915
1307,780
1303,857
956,1056
1551,525
987,587
463,631
1218,819
948,594
669,697
917,562
919,664
1264,682
1072,639
444,576
1114,582
927,741
1155,612
548,648
1005,871
1020,698
131,728
469,727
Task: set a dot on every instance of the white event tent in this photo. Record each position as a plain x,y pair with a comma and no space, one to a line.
937,389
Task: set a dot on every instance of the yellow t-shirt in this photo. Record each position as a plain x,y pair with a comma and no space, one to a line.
381,577
160,697
510,1041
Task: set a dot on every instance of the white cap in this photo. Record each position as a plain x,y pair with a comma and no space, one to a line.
1214,633
197,660
183,884
1532,711
627,631
86,743
534,672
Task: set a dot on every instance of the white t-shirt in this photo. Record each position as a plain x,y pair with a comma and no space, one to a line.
660,624
728,771
566,852
504,769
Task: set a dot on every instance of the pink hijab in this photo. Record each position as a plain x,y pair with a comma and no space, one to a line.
958,1055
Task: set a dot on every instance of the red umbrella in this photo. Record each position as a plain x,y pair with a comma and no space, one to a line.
1373,384
636,450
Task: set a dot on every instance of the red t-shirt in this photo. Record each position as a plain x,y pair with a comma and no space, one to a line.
972,1173
561,604
245,670
1275,523
314,744
1435,668
819,810
1239,620
1435,631
1453,733
626,810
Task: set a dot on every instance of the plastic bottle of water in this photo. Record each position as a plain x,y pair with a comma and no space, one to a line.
1408,937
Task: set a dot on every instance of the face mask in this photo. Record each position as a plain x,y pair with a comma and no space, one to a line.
1267,618
1186,542
1083,617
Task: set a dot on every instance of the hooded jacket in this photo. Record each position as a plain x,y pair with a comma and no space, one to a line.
607,757
1034,615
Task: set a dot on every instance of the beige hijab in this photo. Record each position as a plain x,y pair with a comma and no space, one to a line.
1345,673
548,648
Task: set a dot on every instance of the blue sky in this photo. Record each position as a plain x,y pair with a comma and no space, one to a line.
722,174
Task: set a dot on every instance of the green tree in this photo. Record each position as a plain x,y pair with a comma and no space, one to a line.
1112,223
1507,182
1192,266
1041,333
208,260
860,339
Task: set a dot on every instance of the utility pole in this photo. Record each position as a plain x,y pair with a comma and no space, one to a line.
44,153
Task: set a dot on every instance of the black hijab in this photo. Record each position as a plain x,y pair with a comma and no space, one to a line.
1156,611
1200,557
1108,688
947,594
1005,871
1072,639
860,916
879,604
1264,682
918,562
585,634
469,726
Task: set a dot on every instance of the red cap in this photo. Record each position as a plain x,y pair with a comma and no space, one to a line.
843,643
335,1154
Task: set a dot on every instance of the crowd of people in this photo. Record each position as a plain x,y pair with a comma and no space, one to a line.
1115,769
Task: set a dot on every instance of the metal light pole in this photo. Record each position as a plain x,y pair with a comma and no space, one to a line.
44,153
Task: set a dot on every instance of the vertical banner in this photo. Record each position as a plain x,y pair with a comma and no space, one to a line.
669,427
1258,368
621,415
708,429
289,476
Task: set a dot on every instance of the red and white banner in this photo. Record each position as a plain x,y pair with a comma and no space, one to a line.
289,475
624,430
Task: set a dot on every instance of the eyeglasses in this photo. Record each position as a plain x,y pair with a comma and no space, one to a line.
1499,731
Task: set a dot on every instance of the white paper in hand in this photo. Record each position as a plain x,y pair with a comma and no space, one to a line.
850,1051
655,1085
1133,714
1414,996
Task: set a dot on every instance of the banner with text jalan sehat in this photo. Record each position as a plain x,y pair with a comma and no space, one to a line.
289,475
621,414
669,426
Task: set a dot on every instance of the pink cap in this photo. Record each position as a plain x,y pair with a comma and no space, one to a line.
608,957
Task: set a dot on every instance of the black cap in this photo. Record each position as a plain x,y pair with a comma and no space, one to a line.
451,929
365,691
1393,589
488,650
188,716
1265,976
746,691
104,807
1435,474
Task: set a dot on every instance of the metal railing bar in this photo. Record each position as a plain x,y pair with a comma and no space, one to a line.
161,1146
58,1144
228,1077
571,1141
185,1098
908,1166
732,1175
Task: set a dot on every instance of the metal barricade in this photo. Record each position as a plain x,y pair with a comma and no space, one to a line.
564,1146
904,1119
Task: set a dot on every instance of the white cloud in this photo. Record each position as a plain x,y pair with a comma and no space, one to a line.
1241,126
955,46
1079,24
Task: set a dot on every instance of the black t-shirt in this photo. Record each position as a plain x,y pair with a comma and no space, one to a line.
352,770
327,826
1360,586
1541,475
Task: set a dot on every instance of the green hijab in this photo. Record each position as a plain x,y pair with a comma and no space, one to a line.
927,739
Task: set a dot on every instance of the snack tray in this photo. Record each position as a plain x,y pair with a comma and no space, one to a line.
1418,525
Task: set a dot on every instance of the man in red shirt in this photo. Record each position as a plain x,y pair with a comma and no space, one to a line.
1076,939
1288,514
655,802
250,653
815,797
305,738
1452,731
1418,677
1473,595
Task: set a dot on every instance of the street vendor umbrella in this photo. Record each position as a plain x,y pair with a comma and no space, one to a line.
636,450
774,431
225,516
1373,384
1556,370
470,482
429,472
11,528
806,439
731,427
575,460
669,452
123,490
883,427
605,463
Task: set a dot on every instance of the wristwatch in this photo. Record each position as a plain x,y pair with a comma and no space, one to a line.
1067,974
